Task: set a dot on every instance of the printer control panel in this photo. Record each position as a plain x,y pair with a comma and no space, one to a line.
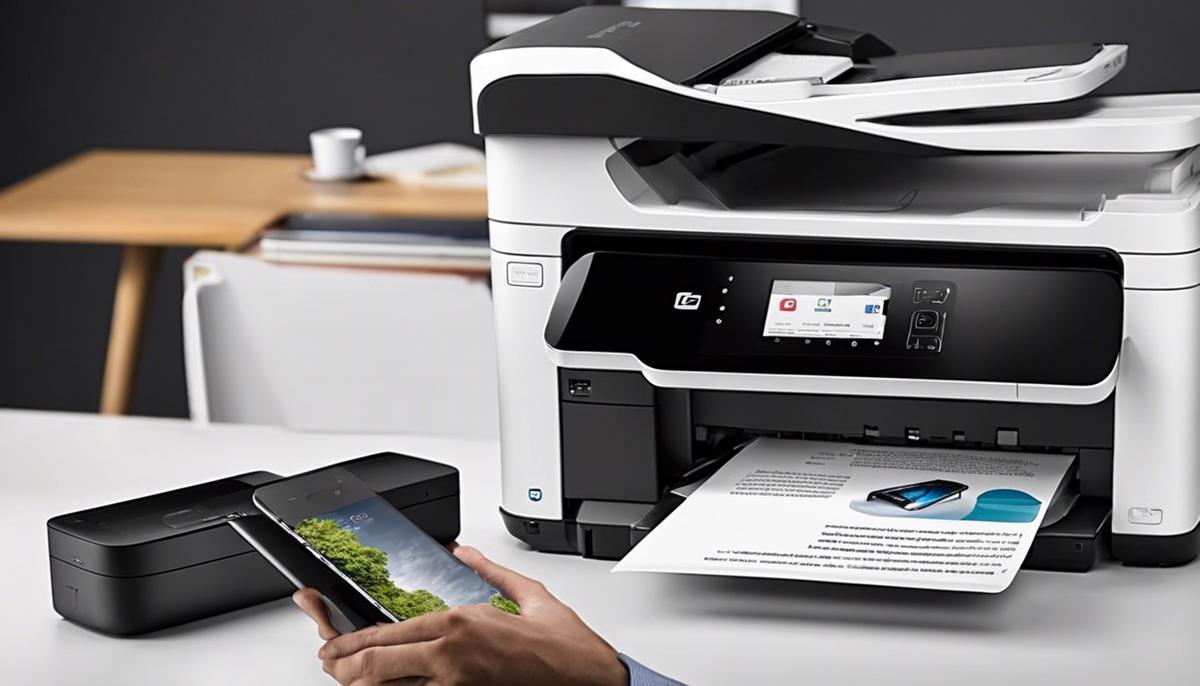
967,321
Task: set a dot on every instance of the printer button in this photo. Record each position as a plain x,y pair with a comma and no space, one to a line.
1151,516
527,274
925,343
925,319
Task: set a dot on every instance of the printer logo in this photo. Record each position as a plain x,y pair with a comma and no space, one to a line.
614,28
535,494
686,300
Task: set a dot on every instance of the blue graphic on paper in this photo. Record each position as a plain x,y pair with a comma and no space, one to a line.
1004,505
997,505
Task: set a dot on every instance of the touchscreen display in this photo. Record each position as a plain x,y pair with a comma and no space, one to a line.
827,309
398,564
924,495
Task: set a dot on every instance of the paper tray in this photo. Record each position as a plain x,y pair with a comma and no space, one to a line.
1074,543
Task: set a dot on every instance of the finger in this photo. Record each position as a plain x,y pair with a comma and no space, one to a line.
309,600
516,586
413,630
379,664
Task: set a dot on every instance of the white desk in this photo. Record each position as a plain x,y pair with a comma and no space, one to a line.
1111,626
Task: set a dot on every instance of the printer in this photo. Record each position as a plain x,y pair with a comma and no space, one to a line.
682,204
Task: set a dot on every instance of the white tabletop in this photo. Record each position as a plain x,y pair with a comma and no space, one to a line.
1114,625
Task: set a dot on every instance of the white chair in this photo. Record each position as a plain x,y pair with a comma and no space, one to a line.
332,349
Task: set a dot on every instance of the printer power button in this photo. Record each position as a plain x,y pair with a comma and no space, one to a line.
1151,516
525,274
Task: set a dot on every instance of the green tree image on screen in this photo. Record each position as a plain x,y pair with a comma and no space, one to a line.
500,602
367,567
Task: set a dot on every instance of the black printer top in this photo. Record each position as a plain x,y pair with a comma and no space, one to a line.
579,92
701,41
143,520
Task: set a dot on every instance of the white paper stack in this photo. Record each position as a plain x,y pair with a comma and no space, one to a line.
369,241
447,165
784,67
780,76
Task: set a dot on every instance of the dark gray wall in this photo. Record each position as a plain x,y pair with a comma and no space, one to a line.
259,74
218,74
1160,34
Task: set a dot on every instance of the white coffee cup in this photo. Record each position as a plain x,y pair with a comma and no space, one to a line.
337,153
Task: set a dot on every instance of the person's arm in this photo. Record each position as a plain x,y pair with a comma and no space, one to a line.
641,675
546,644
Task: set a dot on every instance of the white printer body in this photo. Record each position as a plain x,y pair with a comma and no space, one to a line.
960,249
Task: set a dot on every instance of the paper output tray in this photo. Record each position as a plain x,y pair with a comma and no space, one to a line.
1074,543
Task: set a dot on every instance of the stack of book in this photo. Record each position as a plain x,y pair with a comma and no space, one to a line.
374,241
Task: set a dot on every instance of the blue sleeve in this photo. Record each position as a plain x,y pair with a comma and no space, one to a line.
640,675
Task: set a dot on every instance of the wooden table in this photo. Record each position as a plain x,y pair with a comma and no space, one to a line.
147,201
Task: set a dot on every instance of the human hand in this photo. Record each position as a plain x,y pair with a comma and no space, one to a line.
474,644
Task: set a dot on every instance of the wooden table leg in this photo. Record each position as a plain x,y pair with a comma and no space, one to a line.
135,286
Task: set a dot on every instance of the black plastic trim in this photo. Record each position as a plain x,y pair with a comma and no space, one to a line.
602,106
1077,542
147,575
1157,551
682,46
584,240
1054,427
974,61
546,535
625,306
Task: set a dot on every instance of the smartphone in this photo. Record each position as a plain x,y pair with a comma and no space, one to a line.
920,495
386,558
348,609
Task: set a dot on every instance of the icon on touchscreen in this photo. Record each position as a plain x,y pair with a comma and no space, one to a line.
787,305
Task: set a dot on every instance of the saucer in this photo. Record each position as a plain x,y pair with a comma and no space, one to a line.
311,174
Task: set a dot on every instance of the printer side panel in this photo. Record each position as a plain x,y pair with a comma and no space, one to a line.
523,289
1156,461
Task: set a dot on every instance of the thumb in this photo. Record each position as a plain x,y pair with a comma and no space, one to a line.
516,587
312,602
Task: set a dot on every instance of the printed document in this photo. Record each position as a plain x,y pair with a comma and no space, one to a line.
946,519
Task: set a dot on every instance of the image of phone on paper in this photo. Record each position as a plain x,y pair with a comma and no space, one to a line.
382,554
920,495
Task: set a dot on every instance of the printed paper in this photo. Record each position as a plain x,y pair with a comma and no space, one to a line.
880,515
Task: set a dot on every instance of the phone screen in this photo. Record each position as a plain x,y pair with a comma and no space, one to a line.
925,494
395,562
